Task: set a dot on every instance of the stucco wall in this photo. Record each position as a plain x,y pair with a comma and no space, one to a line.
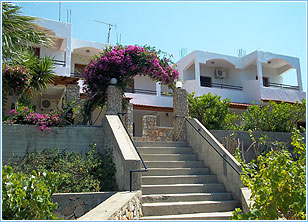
20,139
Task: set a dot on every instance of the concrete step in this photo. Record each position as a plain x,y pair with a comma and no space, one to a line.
154,198
165,150
173,208
197,216
182,188
174,164
175,179
169,157
176,171
159,144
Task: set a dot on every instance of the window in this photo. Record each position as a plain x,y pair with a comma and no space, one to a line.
79,69
36,51
205,81
265,81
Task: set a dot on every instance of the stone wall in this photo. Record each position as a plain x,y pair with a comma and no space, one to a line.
74,205
129,118
152,132
72,93
120,206
30,139
132,210
245,139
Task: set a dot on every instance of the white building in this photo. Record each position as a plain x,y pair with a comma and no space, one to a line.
255,77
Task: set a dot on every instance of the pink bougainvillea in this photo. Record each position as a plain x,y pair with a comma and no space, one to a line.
123,63
43,121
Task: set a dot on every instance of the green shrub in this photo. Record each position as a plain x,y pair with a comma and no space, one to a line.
273,117
278,184
211,111
91,172
27,196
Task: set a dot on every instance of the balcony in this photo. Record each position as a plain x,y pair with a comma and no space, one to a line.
221,86
149,97
281,86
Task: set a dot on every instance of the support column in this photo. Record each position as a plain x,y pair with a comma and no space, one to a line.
114,100
129,118
260,74
72,93
158,89
180,111
197,75
299,79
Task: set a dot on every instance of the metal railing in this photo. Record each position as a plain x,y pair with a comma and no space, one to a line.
76,74
59,62
143,91
282,86
133,171
221,155
221,86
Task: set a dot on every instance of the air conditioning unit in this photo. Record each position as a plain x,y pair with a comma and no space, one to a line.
48,104
220,74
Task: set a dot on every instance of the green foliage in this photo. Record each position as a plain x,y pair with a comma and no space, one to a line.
278,184
211,111
92,172
27,196
273,117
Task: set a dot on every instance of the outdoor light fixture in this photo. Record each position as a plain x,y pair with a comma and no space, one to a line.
113,81
212,62
269,62
178,84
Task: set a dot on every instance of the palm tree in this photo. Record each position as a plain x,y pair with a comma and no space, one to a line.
19,32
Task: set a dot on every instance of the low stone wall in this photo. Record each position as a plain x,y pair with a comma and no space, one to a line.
18,140
152,132
74,205
120,206
245,139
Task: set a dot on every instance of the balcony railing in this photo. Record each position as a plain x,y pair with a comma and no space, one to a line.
282,86
76,74
221,86
58,62
142,91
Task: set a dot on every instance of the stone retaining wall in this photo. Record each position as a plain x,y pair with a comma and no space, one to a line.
74,205
152,132
120,206
18,140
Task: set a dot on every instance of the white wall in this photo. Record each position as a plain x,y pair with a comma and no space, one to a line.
189,74
251,91
144,82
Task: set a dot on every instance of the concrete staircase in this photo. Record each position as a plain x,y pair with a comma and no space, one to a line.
179,187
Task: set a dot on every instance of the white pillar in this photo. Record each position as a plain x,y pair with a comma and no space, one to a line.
260,74
197,75
158,89
299,79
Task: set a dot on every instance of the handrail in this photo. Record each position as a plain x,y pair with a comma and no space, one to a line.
221,155
133,171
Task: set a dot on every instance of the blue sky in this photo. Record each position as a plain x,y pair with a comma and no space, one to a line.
220,27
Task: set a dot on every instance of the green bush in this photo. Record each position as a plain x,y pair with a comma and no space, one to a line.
273,117
278,184
91,172
27,196
211,111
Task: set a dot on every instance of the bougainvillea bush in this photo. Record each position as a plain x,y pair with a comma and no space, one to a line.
43,121
123,63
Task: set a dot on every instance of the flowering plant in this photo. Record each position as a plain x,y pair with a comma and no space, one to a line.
43,121
15,79
123,63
